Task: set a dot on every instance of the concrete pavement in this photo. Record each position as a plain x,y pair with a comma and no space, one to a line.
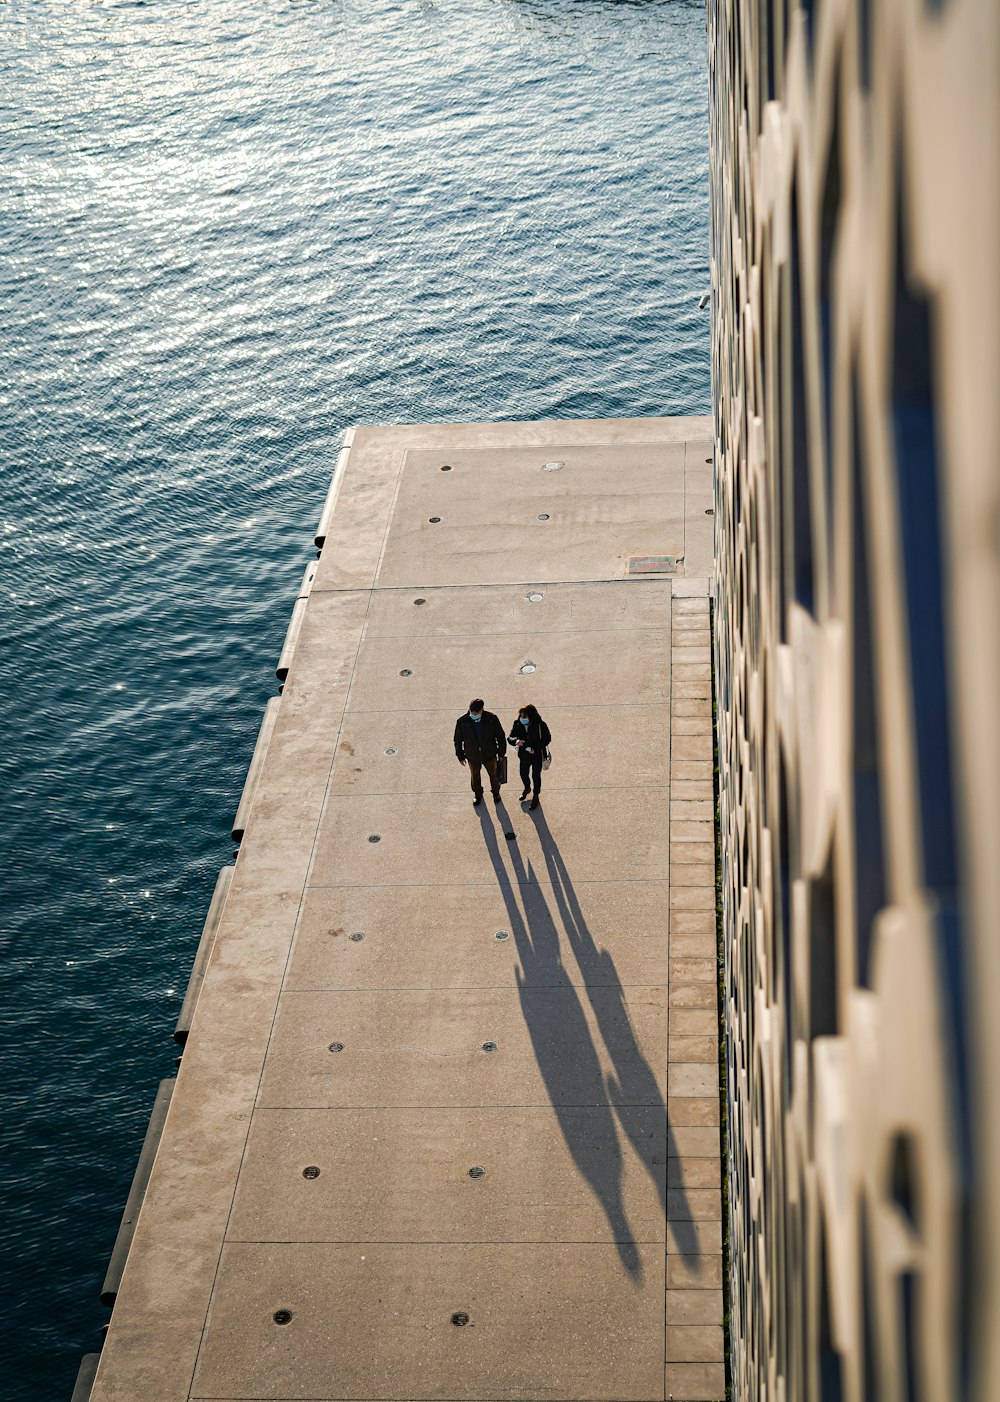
446,1124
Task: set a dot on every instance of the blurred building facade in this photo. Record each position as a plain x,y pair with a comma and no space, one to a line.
856,370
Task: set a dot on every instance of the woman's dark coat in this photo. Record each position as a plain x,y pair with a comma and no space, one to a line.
536,736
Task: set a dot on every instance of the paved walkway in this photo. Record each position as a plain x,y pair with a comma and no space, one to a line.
446,1126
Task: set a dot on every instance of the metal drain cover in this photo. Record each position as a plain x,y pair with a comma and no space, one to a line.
651,564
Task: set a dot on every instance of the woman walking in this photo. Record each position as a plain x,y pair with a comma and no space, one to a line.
530,736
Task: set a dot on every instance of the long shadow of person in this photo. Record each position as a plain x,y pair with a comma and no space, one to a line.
563,1047
633,1087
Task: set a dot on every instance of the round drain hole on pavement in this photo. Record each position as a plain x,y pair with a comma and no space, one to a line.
489,1046
477,1172
544,516
282,1316
502,935
510,836
311,1172
434,520
709,510
391,750
446,467
336,1046
460,1319
708,459
406,672
374,837
534,598
357,937
552,466
528,667
420,601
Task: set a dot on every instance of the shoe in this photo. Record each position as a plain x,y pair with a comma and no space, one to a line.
533,804
525,794
496,798
477,800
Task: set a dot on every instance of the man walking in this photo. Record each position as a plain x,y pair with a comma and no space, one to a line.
480,743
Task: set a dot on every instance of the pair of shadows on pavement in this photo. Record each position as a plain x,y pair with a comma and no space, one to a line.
628,1098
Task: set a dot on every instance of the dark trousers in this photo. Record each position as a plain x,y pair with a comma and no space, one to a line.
531,768
476,768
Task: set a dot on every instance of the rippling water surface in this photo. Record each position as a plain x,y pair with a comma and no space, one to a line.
229,230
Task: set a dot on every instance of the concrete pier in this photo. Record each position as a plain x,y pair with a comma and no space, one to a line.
446,1124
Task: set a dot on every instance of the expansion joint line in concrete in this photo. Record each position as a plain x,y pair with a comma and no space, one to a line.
666,1050
633,582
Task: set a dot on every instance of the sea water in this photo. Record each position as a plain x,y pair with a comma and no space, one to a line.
228,231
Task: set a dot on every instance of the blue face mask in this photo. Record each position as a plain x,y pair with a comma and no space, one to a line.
524,720
475,715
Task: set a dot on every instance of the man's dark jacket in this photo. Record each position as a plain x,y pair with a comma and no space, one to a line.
479,742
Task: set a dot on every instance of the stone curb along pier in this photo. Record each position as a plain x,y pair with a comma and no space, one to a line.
446,1123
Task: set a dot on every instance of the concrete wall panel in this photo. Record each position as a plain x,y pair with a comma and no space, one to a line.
855,294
